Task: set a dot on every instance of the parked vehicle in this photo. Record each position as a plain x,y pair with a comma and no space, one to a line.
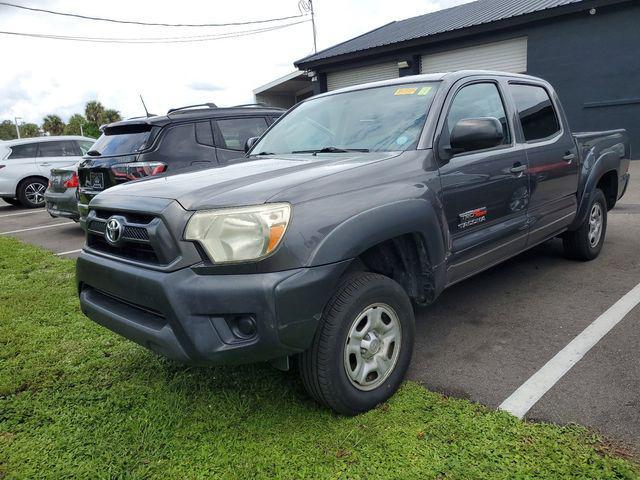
192,137
357,203
61,197
25,165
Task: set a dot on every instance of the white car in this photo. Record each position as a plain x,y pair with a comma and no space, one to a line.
26,164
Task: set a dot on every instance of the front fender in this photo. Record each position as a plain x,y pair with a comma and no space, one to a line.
371,227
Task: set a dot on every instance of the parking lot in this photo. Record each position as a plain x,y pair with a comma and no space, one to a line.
486,336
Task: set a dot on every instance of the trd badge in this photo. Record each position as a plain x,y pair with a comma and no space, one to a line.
472,217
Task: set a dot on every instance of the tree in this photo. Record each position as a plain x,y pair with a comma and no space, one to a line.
53,125
74,125
29,130
94,112
7,130
111,116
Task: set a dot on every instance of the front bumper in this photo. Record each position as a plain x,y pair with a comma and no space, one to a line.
192,318
62,204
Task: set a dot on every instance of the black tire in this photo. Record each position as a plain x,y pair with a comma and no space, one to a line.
12,201
581,244
323,367
31,192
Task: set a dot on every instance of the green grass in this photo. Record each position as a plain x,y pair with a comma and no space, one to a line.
77,401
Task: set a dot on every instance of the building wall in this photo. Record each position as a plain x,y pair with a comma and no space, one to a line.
593,61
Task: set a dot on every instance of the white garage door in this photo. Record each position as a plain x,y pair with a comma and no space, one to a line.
506,56
356,76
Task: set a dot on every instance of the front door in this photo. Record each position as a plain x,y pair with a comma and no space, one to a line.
553,161
485,193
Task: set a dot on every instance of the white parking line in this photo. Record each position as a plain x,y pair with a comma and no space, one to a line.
36,228
39,210
69,252
528,394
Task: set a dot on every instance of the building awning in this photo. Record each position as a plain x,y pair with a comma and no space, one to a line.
285,91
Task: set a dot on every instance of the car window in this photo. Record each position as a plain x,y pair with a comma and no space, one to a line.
535,109
85,146
204,134
477,101
125,139
23,151
58,149
236,131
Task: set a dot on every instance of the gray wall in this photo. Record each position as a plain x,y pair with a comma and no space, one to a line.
593,61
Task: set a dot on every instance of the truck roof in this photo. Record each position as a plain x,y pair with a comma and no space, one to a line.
430,77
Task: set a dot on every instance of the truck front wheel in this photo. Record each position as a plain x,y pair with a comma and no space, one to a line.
362,347
586,242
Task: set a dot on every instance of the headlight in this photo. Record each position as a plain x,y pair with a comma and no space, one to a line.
239,234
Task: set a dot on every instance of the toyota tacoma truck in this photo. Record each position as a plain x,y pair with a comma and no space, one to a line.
352,208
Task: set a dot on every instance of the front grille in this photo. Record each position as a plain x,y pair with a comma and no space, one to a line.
136,233
139,252
135,243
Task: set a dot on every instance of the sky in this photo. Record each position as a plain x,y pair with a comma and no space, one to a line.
46,76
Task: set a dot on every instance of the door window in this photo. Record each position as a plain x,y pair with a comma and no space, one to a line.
58,149
535,109
477,101
236,131
23,151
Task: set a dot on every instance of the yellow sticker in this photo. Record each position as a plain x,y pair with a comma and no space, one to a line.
406,91
424,90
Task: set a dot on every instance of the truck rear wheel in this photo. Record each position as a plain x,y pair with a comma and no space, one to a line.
586,242
362,347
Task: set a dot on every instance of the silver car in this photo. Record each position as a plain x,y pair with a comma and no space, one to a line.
25,165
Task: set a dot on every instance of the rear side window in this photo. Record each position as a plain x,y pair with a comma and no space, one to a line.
58,149
535,109
204,134
23,151
236,131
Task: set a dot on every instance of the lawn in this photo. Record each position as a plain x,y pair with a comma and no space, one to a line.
77,401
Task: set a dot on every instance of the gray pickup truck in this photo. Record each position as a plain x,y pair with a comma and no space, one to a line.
353,207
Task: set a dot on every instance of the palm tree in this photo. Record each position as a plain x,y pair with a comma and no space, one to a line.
111,116
94,112
53,125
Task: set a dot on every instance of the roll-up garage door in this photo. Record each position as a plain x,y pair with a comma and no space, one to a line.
506,56
356,76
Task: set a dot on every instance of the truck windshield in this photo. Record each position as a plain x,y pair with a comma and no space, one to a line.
388,118
123,140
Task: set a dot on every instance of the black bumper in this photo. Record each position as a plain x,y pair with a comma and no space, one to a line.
193,318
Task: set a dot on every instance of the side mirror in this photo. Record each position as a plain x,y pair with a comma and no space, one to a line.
472,134
250,143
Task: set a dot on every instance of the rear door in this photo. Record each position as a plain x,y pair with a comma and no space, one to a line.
552,157
485,192
232,134
57,154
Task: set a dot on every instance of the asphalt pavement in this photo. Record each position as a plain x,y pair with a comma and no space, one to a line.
486,336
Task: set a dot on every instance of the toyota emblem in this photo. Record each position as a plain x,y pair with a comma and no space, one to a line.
114,231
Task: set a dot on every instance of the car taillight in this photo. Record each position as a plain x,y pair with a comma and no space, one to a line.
72,182
135,170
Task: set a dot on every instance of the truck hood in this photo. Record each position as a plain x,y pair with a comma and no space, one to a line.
245,183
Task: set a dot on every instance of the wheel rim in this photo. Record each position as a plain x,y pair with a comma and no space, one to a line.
372,347
34,192
595,225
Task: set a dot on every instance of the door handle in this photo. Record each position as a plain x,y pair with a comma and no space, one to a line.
569,157
517,168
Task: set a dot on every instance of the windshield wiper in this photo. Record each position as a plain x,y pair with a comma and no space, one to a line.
93,153
332,150
263,153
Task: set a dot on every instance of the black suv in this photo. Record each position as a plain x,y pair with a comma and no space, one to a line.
192,137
